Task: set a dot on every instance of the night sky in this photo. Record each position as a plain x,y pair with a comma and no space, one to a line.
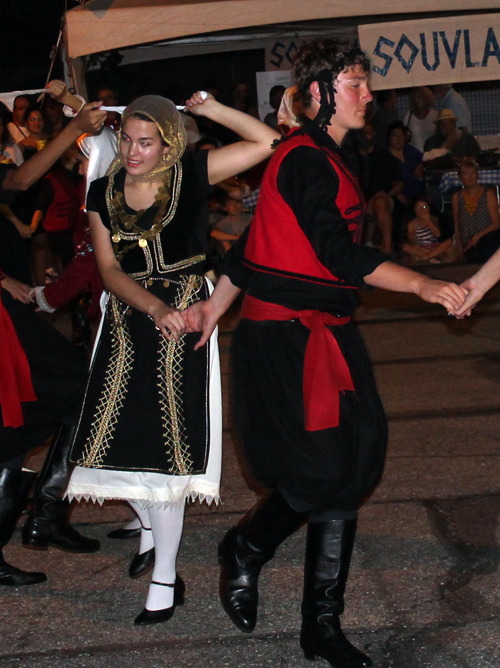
29,28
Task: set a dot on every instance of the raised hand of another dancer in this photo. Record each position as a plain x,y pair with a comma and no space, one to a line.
450,295
169,321
17,289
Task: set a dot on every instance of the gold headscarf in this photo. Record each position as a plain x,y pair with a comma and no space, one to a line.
164,114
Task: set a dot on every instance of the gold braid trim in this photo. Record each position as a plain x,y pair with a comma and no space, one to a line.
113,393
170,385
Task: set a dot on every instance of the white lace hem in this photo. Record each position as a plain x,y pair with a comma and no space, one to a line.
144,497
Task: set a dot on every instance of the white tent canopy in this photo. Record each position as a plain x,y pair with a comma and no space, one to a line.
105,25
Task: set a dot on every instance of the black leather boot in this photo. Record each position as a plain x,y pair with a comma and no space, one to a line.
328,557
14,488
245,549
48,522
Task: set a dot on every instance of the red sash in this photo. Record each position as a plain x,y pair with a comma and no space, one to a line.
15,375
325,370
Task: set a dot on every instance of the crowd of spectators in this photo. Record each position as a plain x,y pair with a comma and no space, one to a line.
401,161
398,162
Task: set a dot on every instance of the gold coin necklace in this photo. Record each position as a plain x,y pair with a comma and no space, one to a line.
120,219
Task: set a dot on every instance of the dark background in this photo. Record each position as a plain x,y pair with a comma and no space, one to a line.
29,29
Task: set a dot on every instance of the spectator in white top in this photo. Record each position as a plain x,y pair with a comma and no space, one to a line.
421,116
17,128
450,99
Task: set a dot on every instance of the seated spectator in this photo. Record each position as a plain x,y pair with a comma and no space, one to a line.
216,202
421,117
10,152
409,160
447,136
424,235
380,179
231,227
55,120
452,100
275,96
476,217
17,128
37,138
385,115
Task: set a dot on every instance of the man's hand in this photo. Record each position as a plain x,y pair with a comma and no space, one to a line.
57,89
90,119
450,295
201,317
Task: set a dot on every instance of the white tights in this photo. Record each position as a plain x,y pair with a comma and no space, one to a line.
147,541
165,536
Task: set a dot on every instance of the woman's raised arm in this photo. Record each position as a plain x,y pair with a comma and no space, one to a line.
234,158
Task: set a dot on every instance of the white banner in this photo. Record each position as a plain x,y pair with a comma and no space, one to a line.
265,81
432,51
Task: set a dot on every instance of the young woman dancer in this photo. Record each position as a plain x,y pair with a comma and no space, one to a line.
150,427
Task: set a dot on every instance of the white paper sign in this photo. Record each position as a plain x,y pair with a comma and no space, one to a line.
265,81
433,51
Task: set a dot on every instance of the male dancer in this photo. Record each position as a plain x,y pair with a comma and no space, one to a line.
307,407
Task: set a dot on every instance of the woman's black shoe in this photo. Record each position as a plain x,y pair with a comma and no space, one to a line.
142,563
154,616
124,534
159,616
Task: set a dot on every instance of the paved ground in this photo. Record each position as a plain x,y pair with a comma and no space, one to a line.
424,590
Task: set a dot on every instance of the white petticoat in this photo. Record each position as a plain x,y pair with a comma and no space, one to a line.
149,489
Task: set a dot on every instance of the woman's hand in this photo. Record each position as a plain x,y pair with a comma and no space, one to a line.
25,231
473,241
475,292
198,104
18,290
169,321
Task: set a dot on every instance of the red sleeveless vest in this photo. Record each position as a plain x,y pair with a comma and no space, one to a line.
66,202
276,243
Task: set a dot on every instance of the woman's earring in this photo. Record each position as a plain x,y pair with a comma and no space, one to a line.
165,158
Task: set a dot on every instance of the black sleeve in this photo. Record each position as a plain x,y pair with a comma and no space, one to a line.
200,159
309,185
232,265
96,200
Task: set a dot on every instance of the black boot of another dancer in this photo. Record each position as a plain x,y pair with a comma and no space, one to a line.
328,557
48,522
14,488
245,549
